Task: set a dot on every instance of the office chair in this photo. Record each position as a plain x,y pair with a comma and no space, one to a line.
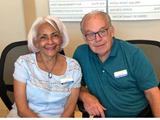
151,48
8,57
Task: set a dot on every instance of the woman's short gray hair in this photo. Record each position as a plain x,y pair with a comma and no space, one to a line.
55,22
95,12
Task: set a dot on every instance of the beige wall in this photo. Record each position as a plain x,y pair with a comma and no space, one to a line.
123,29
12,27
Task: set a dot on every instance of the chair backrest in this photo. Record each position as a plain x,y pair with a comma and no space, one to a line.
8,57
152,50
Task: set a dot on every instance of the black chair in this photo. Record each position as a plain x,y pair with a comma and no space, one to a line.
151,48
8,57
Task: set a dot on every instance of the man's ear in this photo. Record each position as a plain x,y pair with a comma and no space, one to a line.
85,39
112,31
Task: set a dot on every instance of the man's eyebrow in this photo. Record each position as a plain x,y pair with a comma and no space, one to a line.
97,31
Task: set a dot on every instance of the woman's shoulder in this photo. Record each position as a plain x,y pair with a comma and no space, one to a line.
26,58
72,63
68,59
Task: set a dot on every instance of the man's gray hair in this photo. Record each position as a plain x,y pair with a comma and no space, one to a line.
95,12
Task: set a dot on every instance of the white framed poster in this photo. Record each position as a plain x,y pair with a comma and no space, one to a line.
134,9
74,10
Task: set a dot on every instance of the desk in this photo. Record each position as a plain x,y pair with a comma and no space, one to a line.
3,109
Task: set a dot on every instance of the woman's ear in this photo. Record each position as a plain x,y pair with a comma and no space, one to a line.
35,43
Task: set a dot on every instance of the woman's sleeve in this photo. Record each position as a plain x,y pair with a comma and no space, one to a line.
20,73
77,75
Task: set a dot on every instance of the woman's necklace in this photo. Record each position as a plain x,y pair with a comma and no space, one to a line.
49,72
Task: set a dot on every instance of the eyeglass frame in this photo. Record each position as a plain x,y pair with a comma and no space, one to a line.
97,33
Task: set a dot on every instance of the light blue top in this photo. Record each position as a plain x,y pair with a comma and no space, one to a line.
46,97
121,93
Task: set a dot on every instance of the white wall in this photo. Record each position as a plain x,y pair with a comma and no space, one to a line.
12,27
137,29
125,30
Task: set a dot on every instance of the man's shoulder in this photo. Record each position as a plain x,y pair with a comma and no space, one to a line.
81,50
83,46
126,45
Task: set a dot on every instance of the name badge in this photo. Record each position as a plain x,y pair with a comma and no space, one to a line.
121,73
66,80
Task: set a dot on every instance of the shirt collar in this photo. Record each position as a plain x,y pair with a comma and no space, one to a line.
114,48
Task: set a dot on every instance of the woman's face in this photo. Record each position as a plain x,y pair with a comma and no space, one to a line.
48,39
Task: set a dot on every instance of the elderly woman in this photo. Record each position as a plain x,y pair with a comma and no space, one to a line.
46,83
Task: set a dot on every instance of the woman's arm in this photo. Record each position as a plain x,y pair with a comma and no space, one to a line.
71,103
21,100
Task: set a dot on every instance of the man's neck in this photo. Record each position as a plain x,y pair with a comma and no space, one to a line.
104,56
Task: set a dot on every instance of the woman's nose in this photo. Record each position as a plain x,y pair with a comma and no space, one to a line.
50,40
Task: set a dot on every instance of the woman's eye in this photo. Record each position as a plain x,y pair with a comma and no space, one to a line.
55,35
43,37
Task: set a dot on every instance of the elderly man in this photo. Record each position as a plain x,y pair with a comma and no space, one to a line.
119,77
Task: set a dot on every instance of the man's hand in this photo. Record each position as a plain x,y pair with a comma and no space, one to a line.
91,103
93,107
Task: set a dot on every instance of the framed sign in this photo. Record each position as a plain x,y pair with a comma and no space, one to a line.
134,9
74,10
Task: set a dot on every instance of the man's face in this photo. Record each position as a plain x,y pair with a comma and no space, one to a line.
100,45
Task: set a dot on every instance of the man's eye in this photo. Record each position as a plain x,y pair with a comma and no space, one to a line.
91,34
101,31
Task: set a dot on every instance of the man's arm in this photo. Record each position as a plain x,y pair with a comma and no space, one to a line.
153,96
91,104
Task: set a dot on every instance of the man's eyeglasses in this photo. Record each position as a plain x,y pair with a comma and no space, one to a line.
101,33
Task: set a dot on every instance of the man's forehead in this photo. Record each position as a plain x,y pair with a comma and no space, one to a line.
95,22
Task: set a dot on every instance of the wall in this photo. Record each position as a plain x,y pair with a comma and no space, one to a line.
123,29
12,27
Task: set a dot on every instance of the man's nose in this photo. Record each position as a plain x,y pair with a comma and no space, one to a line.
98,37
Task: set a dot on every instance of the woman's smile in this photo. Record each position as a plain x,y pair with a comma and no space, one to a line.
51,48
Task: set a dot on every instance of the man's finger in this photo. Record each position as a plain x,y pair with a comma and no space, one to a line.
101,110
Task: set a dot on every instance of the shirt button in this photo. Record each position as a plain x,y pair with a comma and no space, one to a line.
103,71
